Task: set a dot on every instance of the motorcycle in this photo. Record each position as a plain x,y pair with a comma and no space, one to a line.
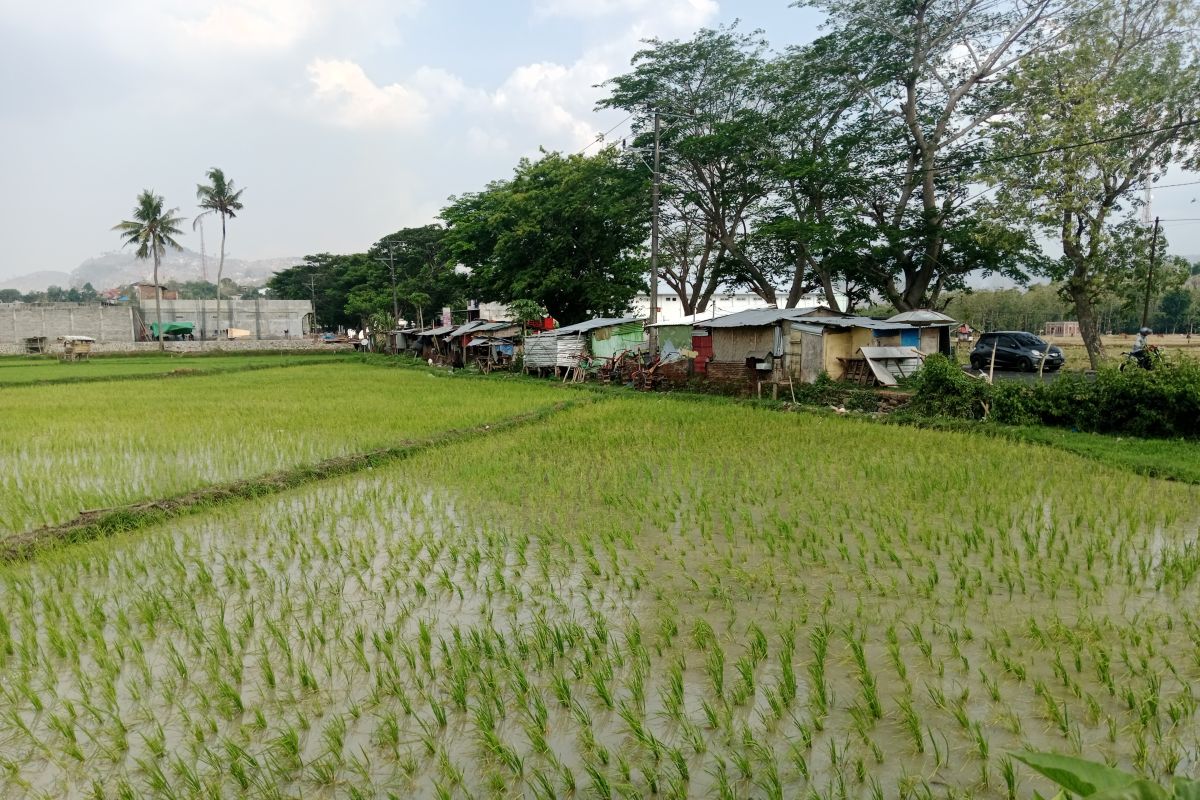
1149,358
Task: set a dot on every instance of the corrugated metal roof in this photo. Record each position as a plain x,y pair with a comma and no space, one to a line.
479,325
891,352
590,325
890,365
924,315
760,317
858,322
751,318
438,331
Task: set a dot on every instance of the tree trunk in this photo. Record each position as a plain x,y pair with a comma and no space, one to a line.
158,305
1089,327
220,269
830,295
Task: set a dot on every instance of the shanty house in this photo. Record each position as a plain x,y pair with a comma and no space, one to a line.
933,330
601,338
774,344
429,342
475,334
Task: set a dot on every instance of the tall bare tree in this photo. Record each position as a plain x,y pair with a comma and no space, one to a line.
219,197
931,77
1105,118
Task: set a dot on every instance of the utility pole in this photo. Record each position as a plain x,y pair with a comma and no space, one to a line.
1150,273
204,278
392,270
391,265
312,285
652,338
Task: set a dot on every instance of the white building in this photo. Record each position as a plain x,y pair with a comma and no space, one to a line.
670,309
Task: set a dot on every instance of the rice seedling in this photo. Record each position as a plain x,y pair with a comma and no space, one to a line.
451,625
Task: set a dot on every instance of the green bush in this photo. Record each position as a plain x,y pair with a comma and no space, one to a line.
944,390
861,400
1015,404
1160,402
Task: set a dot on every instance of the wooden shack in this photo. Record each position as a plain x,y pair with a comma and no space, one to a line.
76,348
604,337
782,344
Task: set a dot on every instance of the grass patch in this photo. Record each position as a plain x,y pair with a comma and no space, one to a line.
100,523
24,371
65,449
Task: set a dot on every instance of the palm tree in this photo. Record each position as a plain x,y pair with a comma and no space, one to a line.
219,197
153,230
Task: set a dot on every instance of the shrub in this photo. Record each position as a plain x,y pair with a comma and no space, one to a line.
1015,404
1164,401
944,390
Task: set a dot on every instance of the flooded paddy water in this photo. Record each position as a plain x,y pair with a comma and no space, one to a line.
752,605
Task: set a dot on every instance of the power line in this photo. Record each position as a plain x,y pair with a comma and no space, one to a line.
1065,147
601,136
1154,186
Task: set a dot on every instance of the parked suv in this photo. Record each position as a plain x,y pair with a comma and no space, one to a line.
1015,350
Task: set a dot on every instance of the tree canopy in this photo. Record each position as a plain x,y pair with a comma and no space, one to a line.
566,231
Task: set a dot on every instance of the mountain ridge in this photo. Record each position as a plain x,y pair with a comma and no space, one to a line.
120,268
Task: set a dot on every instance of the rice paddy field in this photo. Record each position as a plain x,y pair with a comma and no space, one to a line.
633,596
69,448
16,371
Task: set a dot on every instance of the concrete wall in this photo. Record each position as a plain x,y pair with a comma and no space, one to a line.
19,321
265,319
234,346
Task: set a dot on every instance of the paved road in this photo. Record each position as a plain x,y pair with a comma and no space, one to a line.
1026,377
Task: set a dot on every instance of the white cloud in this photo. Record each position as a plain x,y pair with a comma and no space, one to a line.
352,99
556,100
180,29
252,23
685,14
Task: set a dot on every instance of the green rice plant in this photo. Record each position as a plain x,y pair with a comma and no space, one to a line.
448,609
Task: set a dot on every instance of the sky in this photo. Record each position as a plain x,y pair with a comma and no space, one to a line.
343,120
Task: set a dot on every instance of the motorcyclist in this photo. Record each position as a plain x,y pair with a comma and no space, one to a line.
1140,349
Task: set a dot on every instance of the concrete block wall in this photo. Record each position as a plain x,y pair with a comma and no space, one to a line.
263,318
19,321
235,346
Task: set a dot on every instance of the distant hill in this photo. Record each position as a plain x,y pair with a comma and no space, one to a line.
120,268
36,281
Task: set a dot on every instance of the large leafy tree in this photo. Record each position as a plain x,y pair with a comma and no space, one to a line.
1105,117
329,280
151,231
349,289
426,278
688,259
566,231
219,197
809,232
930,77
713,126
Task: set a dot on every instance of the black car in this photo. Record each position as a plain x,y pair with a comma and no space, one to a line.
1015,350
